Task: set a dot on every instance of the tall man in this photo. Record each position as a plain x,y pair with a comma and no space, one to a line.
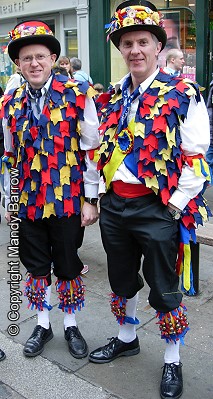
51,128
155,132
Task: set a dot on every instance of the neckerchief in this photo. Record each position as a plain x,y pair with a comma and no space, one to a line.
127,100
36,94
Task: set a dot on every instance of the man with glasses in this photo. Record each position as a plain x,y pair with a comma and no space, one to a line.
51,126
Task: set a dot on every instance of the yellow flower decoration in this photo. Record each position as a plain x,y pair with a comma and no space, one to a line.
16,34
156,17
41,31
142,15
128,21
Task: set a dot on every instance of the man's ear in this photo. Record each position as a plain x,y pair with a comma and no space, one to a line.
159,47
53,58
17,62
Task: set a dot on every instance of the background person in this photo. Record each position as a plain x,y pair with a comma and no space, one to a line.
171,26
64,62
99,88
148,157
51,128
174,62
77,72
15,80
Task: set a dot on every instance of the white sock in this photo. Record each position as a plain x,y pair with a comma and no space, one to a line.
43,315
69,320
127,332
172,352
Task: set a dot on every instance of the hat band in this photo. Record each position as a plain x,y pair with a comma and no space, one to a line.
26,30
135,15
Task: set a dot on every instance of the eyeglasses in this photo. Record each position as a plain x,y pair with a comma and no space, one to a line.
38,57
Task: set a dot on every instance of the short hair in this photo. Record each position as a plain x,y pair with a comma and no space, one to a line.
75,63
99,87
172,53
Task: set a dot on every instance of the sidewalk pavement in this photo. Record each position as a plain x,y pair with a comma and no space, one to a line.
56,374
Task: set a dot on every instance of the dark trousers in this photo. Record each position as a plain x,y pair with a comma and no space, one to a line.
130,228
53,239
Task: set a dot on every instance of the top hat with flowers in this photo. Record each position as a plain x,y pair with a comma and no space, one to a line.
136,15
32,32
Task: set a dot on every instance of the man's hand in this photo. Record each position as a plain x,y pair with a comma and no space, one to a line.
89,214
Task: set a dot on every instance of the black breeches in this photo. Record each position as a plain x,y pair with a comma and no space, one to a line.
130,228
53,239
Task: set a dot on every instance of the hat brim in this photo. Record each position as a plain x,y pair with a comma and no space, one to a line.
47,40
159,32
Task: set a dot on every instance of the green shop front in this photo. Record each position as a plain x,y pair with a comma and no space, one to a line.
188,24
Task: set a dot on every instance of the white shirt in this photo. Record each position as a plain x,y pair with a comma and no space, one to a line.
195,135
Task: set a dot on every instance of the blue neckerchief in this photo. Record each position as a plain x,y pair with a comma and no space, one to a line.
127,100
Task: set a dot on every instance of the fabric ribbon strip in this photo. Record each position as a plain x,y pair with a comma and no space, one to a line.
71,294
35,291
118,308
173,325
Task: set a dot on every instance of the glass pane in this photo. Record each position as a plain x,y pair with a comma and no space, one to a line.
181,33
71,43
7,67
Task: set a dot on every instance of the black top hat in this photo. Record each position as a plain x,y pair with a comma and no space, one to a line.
136,15
32,32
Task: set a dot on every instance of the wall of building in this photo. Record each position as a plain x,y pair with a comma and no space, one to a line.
67,16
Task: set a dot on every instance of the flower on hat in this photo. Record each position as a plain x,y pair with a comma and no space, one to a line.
131,13
134,15
25,30
128,21
148,10
149,21
141,15
156,18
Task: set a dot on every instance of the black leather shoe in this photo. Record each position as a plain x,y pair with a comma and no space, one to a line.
35,344
114,349
172,381
76,343
2,355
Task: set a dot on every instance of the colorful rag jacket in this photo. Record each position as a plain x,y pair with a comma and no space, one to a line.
153,143
46,152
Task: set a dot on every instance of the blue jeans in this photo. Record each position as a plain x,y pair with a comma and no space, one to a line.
209,160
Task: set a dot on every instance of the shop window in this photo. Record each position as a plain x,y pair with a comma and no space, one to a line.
181,33
6,65
71,43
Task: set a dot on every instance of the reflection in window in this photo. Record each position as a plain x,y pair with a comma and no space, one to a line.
71,43
181,33
6,65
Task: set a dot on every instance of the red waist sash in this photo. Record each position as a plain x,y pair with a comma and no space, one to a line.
128,190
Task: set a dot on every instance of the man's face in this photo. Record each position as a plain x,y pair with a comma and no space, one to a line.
140,51
35,62
179,61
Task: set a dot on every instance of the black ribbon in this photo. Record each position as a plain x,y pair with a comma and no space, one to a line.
36,94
